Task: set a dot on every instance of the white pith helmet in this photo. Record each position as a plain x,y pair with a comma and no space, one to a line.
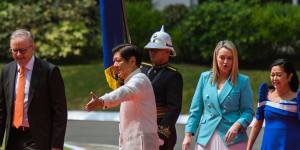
161,40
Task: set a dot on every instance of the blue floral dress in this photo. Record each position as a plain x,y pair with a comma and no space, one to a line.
282,124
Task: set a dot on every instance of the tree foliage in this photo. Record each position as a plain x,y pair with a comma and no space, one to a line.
70,29
61,29
142,22
261,32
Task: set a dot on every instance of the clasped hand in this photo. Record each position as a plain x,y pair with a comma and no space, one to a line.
94,103
187,142
232,132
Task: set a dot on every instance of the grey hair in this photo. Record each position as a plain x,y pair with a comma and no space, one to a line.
21,33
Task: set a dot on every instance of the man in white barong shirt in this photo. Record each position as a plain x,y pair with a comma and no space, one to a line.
138,127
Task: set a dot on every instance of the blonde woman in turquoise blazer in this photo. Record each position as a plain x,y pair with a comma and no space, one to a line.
222,106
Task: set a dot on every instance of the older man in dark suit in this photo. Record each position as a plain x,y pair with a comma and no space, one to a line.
33,109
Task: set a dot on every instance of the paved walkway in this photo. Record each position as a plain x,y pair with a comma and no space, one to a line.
84,146
87,133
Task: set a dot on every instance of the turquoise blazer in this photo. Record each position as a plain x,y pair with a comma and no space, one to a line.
210,111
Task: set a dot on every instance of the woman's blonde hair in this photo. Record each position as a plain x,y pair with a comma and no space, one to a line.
235,68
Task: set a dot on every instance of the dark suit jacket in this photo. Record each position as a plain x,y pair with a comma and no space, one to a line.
47,111
167,85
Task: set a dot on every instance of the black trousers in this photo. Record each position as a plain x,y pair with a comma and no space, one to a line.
20,139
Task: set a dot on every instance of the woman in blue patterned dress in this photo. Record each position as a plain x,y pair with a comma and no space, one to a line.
279,107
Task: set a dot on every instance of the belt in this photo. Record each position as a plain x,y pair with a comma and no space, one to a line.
161,111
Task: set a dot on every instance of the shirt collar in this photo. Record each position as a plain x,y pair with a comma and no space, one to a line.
29,65
138,70
160,66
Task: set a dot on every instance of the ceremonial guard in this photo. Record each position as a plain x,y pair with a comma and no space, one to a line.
167,84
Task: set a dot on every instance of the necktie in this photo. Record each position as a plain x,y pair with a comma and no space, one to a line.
19,104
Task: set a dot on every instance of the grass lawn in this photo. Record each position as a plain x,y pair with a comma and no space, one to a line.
81,79
191,74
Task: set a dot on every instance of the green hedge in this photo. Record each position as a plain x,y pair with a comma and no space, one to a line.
142,22
261,32
70,30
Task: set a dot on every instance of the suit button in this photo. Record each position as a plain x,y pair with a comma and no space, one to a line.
211,115
209,105
224,111
207,96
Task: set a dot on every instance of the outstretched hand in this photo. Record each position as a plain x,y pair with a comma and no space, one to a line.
94,103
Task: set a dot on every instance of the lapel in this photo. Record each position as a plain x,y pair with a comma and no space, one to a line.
213,94
34,79
11,83
225,91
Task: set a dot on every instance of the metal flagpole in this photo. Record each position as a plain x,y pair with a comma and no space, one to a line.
125,23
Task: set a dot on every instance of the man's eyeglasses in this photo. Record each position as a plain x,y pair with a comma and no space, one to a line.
20,50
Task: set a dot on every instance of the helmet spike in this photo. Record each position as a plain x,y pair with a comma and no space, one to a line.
162,29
